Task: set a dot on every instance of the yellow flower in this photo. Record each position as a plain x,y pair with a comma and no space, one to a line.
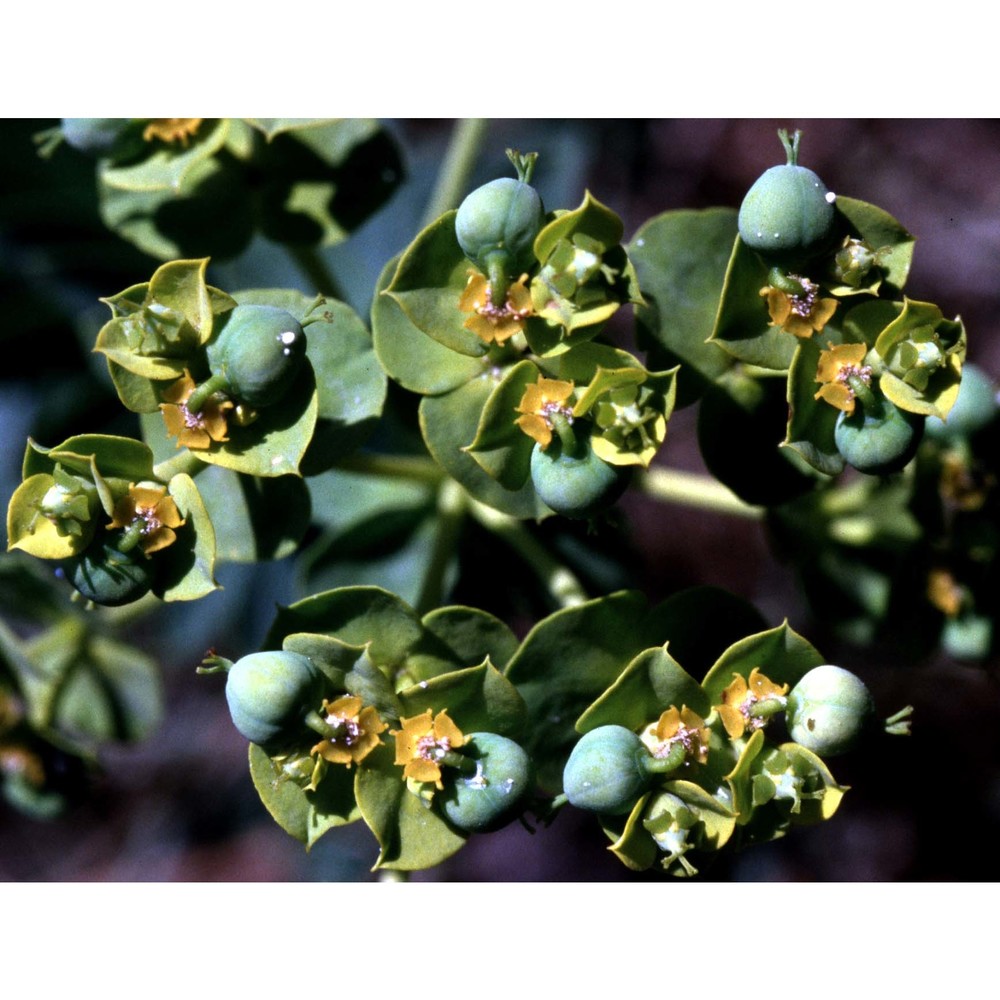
801,315
358,734
539,404
196,430
422,742
171,129
945,593
678,726
739,699
836,366
153,512
492,323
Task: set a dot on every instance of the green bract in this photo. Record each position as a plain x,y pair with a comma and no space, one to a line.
269,695
828,710
109,577
577,484
605,771
878,438
258,351
787,216
490,797
500,218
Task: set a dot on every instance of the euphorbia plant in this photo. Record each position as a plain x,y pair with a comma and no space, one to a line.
492,393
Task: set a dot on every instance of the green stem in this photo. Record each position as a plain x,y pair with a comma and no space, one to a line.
311,263
451,510
777,278
451,758
423,470
561,583
456,169
198,398
185,461
693,490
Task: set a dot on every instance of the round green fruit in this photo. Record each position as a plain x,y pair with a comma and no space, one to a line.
828,710
606,771
259,352
974,408
114,137
576,484
502,216
787,216
269,695
109,577
492,796
878,439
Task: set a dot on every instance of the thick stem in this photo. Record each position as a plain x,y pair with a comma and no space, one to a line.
670,761
561,583
451,510
786,283
450,758
567,437
198,398
864,395
456,169
693,490
497,266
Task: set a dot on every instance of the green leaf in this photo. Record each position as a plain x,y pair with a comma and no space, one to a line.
478,699
304,815
699,623
631,842
741,426
648,686
357,615
186,569
500,447
681,258
168,167
115,457
428,283
455,637
449,423
415,360
782,655
31,532
565,662
811,421
411,835
91,689
255,519
273,445
180,286
739,779
742,325
350,384
878,229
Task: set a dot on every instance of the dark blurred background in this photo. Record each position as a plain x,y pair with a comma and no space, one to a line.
180,806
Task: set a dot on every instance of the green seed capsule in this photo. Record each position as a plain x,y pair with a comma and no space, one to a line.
269,695
975,407
502,216
258,352
493,795
788,216
115,137
879,438
606,772
109,577
828,710
577,484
